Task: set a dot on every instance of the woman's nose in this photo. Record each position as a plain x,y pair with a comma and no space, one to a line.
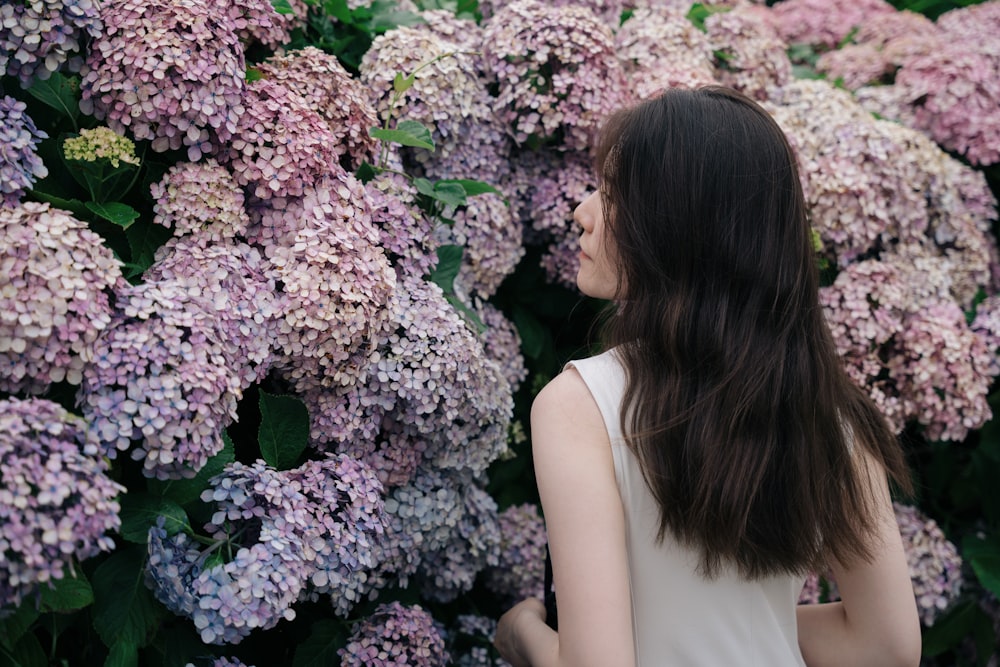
583,214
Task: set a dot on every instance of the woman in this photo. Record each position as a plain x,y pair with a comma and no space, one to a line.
748,457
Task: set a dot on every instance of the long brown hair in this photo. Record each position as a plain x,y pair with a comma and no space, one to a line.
736,404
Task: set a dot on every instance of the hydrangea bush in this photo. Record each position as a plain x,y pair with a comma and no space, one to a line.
279,285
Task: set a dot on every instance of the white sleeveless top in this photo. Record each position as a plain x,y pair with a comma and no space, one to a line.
679,618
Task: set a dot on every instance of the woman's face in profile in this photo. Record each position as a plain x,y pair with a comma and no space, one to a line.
597,276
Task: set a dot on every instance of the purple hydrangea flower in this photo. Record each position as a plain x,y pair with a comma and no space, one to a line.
935,566
57,503
395,635
825,24
160,376
200,197
171,71
55,291
555,70
750,56
341,100
39,37
660,48
20,165
520,572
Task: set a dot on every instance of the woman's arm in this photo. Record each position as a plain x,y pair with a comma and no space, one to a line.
586,531
876,622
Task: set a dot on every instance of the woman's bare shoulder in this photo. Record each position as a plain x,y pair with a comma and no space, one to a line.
566,405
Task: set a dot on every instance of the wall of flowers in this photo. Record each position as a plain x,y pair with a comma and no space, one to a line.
279,279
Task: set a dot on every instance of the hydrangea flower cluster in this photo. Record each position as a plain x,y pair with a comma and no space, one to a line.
395,635
987,326
942,371
431,395
38,37
976,26
258,21
486,230
57,503
824,24
749,54
100,143
564,182
520,572
448,95
855,175
281,147
336,283
406,234
344,497
200,198
20,165
502,344
55,290
478,632
171,71
879,47
935,566
818,589
234,278
160,376
556,72
341,100
954,93
905,339
660,48
474,545
288,529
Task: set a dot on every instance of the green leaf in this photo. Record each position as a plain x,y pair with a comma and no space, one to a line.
140,511
449,262
423,186
13,627
58,92
187,491
254,74
339,10
533,333
407,133
401,84
984,556
320,647
699,12
27,652
144,239
282,7
449,193
473,188
284,429
122,654
176,643
365,172
122,215
74,206
949,630
68,594
124,609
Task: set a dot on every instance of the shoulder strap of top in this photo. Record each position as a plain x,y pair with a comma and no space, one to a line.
605,378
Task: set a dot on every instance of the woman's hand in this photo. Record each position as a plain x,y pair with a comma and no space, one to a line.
506,639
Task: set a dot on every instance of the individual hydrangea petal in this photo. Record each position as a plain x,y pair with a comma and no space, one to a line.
20,165
57,503
395,635
56,284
